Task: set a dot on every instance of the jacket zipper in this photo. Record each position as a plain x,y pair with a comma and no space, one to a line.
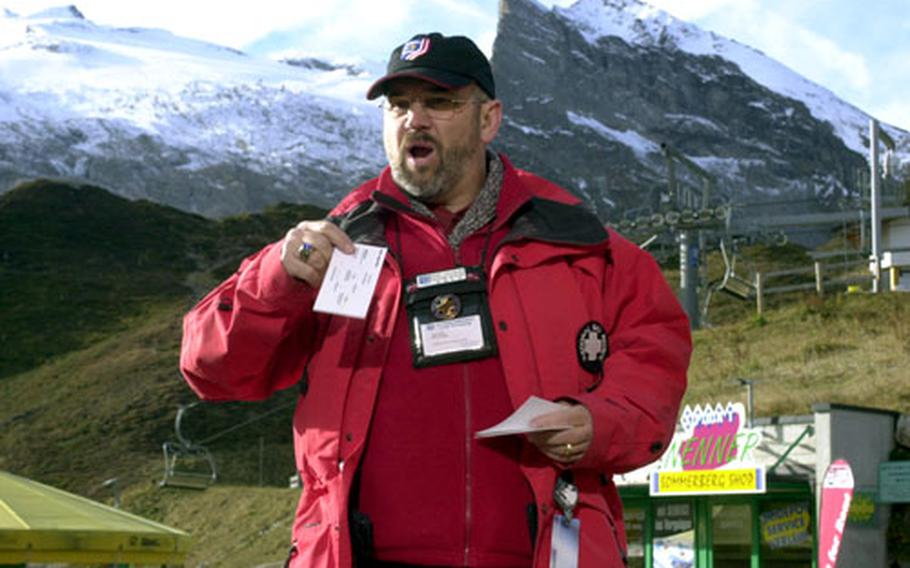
468,490
468,457
623,553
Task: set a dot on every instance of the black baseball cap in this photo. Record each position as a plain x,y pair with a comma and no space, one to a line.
449,62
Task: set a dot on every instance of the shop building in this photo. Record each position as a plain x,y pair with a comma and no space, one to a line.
730,493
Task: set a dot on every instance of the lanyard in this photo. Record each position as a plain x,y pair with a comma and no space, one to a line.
399,248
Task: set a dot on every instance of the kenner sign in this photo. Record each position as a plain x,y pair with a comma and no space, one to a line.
712,454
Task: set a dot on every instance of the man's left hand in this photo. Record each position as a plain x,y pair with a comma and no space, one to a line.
570,444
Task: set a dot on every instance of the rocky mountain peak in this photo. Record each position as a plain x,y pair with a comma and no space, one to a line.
596,97
634,21
318,64
634,7
600,95
70,12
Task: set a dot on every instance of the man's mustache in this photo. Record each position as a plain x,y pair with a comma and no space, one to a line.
420,137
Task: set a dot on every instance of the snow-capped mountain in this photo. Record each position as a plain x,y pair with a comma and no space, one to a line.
593,91
197,126
637,23
591,94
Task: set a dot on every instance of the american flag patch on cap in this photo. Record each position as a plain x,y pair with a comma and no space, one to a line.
415,48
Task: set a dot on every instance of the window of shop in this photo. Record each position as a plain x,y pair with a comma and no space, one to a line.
786,533
634,518
731,535
712,531
673,543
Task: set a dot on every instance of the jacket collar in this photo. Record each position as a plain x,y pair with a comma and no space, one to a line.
540,210
537,210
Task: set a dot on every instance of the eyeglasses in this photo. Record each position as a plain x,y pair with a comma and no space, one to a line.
437,107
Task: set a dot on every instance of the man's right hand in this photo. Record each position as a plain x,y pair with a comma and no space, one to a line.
322,237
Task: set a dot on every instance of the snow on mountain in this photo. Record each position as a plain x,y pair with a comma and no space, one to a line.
216,131
639,145
638,23
212,105
61,51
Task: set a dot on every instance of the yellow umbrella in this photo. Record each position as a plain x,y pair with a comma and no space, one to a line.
39,523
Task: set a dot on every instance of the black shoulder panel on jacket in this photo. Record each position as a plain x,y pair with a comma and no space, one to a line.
554,221
363,224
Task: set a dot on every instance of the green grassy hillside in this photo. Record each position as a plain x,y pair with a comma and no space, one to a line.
846,348
75,261
94,288
232,525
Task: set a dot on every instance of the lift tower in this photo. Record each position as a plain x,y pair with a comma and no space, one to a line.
687,203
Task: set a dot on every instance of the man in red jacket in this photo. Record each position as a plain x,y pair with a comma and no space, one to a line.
496,286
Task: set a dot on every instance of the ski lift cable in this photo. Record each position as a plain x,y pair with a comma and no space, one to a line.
242,424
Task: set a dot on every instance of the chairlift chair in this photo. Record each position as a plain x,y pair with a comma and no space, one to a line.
732,283
187,465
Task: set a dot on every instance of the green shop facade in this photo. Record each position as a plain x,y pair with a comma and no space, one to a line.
730,493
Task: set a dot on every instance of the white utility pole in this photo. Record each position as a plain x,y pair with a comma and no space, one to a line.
875,260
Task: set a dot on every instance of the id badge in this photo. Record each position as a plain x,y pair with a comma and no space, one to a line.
564,542
449,317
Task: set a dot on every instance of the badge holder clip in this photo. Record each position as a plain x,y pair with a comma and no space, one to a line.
566,528
449,317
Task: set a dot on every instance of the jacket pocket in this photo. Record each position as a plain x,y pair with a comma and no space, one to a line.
310,519
601,544
314,538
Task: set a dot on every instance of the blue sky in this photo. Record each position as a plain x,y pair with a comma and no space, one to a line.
860,50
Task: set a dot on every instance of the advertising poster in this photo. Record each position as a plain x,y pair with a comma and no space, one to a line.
674,535
786,526
837,492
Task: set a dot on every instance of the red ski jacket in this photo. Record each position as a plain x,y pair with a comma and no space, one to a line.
555,271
